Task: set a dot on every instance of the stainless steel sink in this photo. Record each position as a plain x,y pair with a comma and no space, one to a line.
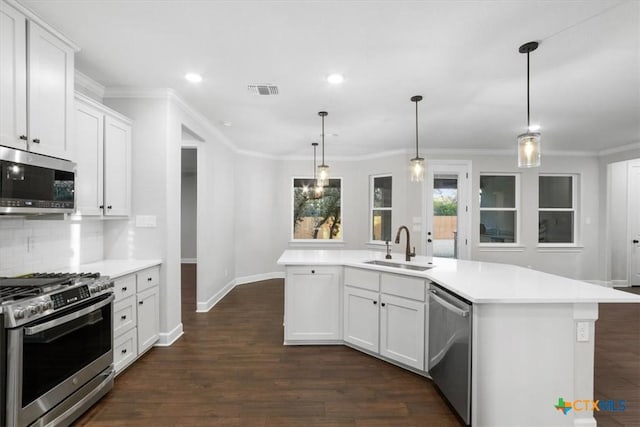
398,265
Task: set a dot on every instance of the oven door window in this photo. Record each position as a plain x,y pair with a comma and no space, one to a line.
55,354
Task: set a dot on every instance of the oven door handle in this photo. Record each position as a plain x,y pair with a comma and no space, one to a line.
32,330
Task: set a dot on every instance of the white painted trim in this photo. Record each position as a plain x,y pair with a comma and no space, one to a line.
189,260
103,108
203,307
620,149
89,84
243,280
605,283
585,422
32,16
620,283
168,338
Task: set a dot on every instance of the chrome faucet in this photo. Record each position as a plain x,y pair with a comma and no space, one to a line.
407,254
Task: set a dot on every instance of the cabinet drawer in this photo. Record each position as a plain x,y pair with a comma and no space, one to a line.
364,279
148,278
402,286
125,349
124,315
125,286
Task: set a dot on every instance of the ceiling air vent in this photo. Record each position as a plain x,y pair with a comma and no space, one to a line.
263,89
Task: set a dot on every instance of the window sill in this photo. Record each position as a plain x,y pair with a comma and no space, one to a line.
496,247
559,247
316,242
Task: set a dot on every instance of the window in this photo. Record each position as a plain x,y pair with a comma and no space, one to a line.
556,209
381,208
499,200
317,215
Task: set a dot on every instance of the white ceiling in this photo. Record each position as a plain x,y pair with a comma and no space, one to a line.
462,56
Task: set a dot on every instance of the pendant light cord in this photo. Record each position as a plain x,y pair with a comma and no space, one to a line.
416,129
323,140
528,104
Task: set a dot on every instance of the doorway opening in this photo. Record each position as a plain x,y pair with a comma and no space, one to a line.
189,221
447,213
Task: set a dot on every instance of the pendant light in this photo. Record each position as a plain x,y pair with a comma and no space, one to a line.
323,169
417,163
317,189
528,142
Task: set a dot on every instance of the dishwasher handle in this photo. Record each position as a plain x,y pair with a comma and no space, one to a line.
446,304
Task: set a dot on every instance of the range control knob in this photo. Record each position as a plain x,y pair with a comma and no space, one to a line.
42,306
48,305
32,310
19,313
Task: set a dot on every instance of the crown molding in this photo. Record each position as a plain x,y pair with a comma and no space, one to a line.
90,85
619,149
32,16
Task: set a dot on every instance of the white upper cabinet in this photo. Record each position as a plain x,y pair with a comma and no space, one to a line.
50,88
13,77
117,171
103,156
36,79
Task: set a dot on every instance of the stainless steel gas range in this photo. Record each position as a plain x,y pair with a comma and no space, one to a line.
56,347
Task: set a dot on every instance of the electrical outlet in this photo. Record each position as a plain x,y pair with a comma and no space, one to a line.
582,332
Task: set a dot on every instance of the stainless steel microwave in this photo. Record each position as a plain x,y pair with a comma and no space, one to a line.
35,184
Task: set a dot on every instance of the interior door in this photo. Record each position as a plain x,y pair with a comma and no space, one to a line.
447,231
634,222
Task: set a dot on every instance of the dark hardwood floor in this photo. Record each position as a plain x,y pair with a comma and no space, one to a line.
231,369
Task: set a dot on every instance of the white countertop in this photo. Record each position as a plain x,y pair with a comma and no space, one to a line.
114,268
479,282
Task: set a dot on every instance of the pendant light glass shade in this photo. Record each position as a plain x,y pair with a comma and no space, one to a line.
529,142
529,150
417,169
323,169
417,163
317,188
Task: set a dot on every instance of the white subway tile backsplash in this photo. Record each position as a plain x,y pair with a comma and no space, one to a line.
39,245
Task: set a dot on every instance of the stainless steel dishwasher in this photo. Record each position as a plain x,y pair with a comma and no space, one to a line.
450,347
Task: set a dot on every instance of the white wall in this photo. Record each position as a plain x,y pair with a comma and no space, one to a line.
29,246
188,231
581,262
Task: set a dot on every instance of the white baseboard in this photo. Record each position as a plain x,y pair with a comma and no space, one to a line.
168,338
620,283
203,307
605,283
585,422
259,277
189,260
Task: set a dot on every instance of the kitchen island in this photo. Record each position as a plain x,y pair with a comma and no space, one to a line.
531,333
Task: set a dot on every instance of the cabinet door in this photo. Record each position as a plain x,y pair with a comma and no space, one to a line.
50,87
117,167
148,319
313,304
361,313
13,80
402,330
89,138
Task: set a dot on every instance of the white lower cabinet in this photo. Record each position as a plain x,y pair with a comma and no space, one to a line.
389,322
361,318
313,306
402,330
136,315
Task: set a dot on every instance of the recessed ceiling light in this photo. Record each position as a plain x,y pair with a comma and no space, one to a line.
226,124
335,79
193,77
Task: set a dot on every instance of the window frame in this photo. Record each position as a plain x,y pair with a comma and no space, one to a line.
371,241
292,239
574,208
517,209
